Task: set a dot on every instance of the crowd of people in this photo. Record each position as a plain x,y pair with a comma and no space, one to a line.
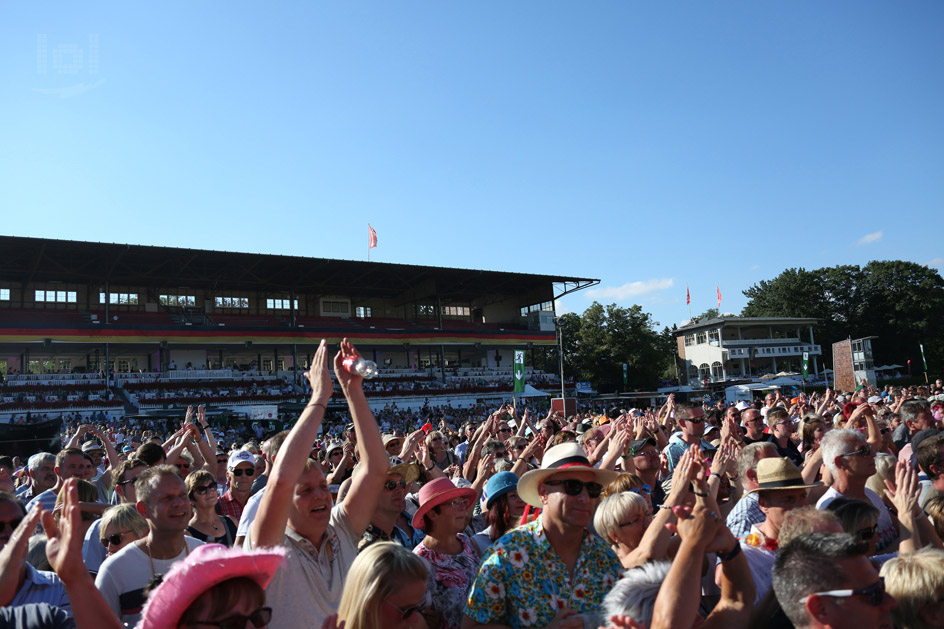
816,511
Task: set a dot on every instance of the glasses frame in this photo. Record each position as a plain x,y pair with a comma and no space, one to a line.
391,484
865,450
203,490
574,487
239,471
259,618
875,592
110,539
409,611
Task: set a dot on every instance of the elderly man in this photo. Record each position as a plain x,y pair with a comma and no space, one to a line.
780,489
747,512
552,571
851,462
240,472
124,577
296,508
70,463
826,581
41,471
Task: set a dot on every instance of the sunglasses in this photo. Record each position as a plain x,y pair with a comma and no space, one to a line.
520,447
409,611
114,540
504,430
574,487
127,482
391,484
645,489
12,524
875,593
203,490
240,471
696,420
865,450
867,534
258,618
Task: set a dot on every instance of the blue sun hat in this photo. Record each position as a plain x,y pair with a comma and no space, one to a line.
499,485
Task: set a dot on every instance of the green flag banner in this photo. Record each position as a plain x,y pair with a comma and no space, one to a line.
806,364
922,357
519,371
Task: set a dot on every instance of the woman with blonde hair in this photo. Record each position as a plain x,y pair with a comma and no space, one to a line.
206,524
121,525
385,587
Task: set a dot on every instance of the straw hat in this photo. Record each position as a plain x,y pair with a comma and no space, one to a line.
203,568
565,457
436,493
779,473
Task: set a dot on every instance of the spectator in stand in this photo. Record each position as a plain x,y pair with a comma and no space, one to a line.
120,526
691,420
504,509
915,416
825,580
41,471
917,583
296,512
123,577
850,462
390,521
746,511
206,524
239,472
6,474
781,433
70,463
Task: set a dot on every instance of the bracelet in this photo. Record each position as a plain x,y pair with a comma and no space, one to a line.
430,468
699,494
730,555
715,474
669,507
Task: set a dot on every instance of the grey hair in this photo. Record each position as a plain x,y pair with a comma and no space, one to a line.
750,455
635,594
615,508
38,459
836,442
910,410
808,564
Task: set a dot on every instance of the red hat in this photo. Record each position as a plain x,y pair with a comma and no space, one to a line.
436,493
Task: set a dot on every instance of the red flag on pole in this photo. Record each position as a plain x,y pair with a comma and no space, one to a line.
371,237
719,298
688,296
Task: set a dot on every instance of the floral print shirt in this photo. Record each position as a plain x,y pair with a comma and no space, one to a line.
522,582
450,577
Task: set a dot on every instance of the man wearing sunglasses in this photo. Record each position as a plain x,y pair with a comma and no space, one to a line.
825,581
691,420
391,522
240,472
551,570
851,462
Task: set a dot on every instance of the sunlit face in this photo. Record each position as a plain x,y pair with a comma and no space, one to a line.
311,505
74,466
856,611
776,504
6,479
632,527
574,511
392,500
241,477
168,506
516,505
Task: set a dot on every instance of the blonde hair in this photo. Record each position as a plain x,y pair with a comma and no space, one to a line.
378,572
614,510
125,517
916,581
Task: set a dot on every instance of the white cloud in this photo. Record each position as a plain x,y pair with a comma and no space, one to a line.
870,238
935,263
755,267
561,308
631,289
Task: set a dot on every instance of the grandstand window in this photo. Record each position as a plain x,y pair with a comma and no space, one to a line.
702,337
689,339
456,311
362,312
544,305
425,310
124,299
56,296
178,300
232,302
280,304
4,294
332,306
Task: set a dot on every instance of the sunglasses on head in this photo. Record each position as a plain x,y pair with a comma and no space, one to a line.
865,450
258,618
645,489
574,487
391,484
114,540
239,471
409,611
12,524
874,592
203,490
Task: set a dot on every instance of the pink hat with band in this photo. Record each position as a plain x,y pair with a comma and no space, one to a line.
205,567
437,492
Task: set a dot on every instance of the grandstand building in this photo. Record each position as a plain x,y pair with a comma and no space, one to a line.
161,317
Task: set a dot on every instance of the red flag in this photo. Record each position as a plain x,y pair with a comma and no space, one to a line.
371,237
688,296
719,297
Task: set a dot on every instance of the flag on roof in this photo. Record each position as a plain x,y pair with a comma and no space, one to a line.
371,237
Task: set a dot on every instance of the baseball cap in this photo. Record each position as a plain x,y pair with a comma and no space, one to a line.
240,456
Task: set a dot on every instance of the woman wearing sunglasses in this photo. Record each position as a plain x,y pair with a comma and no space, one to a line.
206,525
385,587
452,557
121,525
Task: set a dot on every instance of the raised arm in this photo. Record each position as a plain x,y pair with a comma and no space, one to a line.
207,443
361,499
268,529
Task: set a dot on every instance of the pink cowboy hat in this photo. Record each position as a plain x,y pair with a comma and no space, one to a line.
436,493
205,567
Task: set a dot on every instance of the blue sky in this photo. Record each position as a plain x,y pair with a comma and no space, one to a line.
650,145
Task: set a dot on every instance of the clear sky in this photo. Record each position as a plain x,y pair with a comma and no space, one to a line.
652,145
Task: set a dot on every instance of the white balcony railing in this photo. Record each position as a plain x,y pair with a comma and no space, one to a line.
750,342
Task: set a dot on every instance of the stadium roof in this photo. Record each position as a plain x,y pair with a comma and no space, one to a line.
25,260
